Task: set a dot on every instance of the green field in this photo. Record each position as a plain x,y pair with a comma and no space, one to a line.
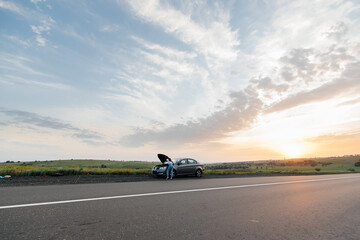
344,164
75,167
89,164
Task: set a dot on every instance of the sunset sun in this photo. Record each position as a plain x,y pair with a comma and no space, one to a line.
292,150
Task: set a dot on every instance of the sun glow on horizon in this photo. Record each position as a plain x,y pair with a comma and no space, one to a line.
292,150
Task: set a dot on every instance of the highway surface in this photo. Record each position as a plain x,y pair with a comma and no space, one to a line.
286,207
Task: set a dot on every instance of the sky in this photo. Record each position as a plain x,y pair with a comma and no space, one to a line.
212,80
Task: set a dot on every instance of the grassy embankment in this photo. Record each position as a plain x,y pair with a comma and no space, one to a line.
107,167
75,167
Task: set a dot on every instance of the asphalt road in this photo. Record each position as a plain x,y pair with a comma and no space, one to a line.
326,207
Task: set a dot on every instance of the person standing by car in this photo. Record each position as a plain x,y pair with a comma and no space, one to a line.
169,170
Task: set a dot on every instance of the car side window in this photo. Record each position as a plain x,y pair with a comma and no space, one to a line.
192,161
182,162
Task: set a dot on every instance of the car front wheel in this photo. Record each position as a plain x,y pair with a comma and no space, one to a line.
198,173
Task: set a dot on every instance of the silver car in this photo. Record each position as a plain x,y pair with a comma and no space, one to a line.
182,166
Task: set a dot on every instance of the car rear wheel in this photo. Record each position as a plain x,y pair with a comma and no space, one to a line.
198,173
174,172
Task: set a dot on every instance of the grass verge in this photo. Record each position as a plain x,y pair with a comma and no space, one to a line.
14,170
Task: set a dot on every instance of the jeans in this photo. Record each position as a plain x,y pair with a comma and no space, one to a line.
169,169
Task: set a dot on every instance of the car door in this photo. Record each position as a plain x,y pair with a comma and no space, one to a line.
181,167
191,166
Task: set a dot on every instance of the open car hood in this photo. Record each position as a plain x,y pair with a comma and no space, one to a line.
162,157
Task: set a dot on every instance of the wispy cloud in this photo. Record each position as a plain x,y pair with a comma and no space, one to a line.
42,23
350,102
35,121
153,78
335,137
142,95
19,69
37,1
9,79
182,67
19,63
164,50
43,28
214,38
17,40
111,28
11,6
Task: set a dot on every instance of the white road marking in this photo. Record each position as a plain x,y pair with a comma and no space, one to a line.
174,192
